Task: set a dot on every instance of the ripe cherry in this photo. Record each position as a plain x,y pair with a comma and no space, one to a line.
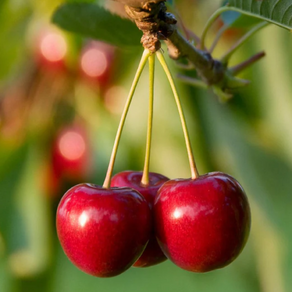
103,231
51,50
71,153
202,224
96,62
152,255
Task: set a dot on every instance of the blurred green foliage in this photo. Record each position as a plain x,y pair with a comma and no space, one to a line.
250,137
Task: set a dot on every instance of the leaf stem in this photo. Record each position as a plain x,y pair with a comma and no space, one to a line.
145,176
218,36
209,23
243,40
238,68
194,170
141,66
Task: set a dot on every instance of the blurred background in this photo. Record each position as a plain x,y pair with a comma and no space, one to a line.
61,97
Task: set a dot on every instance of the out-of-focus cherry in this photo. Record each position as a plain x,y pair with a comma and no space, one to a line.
96,62
51,50
71,154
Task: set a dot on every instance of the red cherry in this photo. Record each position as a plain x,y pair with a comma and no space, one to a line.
202,224
103,231
152,255
71,153
97,61
51,50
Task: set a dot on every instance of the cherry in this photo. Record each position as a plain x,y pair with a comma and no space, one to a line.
152,255
71,153
103,231
51,50
202,224
96,62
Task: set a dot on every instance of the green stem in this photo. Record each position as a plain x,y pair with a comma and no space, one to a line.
243,40
145,177
209,23
194,170
218,36
141,66
238,68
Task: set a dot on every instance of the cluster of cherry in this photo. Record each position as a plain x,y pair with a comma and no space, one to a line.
142,218
200,224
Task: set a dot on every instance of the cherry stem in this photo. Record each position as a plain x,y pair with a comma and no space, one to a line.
194,170
141,66
145,176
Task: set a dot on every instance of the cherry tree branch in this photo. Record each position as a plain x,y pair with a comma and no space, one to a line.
157,25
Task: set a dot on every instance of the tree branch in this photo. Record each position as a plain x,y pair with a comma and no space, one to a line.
210,70
157,24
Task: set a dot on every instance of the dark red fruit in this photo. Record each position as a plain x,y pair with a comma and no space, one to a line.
96,62
152,255
202,224
103,231
51,50
71,153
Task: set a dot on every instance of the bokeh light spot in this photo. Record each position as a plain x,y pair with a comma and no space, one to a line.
72,145
53,47
94,62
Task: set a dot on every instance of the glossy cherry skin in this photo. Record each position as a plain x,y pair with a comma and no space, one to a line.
152,255
103,231
202,224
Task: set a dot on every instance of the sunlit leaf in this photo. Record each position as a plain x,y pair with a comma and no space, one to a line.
275,11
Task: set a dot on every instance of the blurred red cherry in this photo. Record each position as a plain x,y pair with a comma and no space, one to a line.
96,62
71,154
51,50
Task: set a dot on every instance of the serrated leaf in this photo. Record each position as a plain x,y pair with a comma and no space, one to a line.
94,21
278,12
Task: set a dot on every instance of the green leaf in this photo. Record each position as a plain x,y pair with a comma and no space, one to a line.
238,20
94,21
274,11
